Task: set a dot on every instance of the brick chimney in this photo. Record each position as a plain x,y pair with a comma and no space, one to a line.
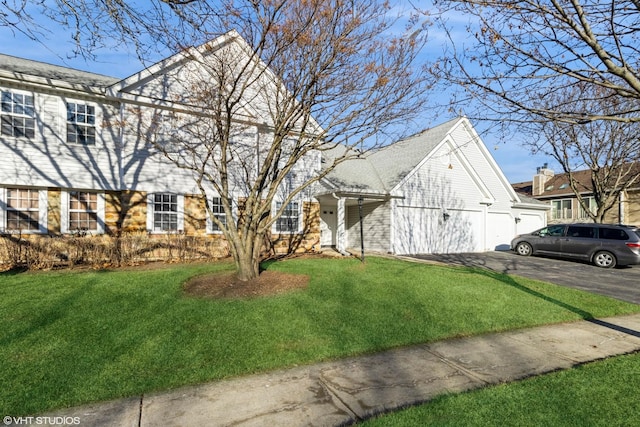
543,174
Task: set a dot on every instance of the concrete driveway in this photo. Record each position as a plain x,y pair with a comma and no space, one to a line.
622,283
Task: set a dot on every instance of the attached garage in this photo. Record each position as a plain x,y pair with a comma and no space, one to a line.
430,230
436,192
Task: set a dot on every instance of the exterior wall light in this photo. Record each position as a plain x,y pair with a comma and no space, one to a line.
445,216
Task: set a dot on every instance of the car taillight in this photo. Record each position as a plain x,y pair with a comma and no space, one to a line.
633,245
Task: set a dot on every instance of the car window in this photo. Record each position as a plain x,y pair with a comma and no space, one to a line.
613,234
554,230
575,231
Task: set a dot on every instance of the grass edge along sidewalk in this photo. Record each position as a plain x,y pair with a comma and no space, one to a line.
599,393
71,338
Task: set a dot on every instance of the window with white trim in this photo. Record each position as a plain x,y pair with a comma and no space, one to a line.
82,211
218,211
289,221
561,209
165,212
81,123
591,204
17,114
25,210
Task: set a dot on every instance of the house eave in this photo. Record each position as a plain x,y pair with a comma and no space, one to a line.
12,78
535,206
356,194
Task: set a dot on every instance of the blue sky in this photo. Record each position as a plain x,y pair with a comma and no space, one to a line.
516,162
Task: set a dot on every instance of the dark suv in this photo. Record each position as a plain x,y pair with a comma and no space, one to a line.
605,245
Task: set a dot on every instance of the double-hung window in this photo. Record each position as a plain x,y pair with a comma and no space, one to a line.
81,123
165,212
218,211
25,210
17,114
289,221
82,211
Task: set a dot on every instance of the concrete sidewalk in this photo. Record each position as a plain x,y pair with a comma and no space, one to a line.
348,390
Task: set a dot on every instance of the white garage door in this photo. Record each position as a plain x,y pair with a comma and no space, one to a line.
500,231
423,230
529,223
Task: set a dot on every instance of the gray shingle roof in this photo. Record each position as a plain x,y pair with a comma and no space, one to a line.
382,169
29,67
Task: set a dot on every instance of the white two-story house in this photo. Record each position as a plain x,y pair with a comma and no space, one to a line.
81,157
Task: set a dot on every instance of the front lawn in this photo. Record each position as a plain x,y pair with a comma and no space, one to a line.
68,338
603,393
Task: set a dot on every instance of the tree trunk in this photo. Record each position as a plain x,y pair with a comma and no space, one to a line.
246,255
247,266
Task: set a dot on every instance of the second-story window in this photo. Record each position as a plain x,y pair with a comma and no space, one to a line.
591,204
81,124
17,114
561,209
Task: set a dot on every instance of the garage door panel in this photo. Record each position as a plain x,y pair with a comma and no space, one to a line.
500,227
422,230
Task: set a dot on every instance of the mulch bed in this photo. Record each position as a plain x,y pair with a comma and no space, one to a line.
226,285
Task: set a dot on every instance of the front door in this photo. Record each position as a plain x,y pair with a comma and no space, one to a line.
328,225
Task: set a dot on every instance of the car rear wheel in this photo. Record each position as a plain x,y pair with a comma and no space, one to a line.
524,249
604,259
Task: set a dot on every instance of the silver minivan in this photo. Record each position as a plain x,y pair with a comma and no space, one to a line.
605,245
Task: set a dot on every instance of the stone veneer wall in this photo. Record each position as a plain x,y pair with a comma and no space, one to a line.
126,239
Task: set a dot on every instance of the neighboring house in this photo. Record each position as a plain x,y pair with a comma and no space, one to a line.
554,189
75,163
439,191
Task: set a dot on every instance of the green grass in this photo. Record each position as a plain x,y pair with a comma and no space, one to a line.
602,393
68,338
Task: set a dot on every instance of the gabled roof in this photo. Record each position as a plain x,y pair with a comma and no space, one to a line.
381,170
559,184
395,161
23,69
523,188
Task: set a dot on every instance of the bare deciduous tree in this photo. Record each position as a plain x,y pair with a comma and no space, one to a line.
520,52
563,73
320,74
610,150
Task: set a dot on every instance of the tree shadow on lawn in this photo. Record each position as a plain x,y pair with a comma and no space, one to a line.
504,276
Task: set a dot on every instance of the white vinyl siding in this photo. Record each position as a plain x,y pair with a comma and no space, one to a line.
375,226
47,160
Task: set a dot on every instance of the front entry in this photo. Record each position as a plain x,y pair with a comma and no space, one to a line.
328,226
